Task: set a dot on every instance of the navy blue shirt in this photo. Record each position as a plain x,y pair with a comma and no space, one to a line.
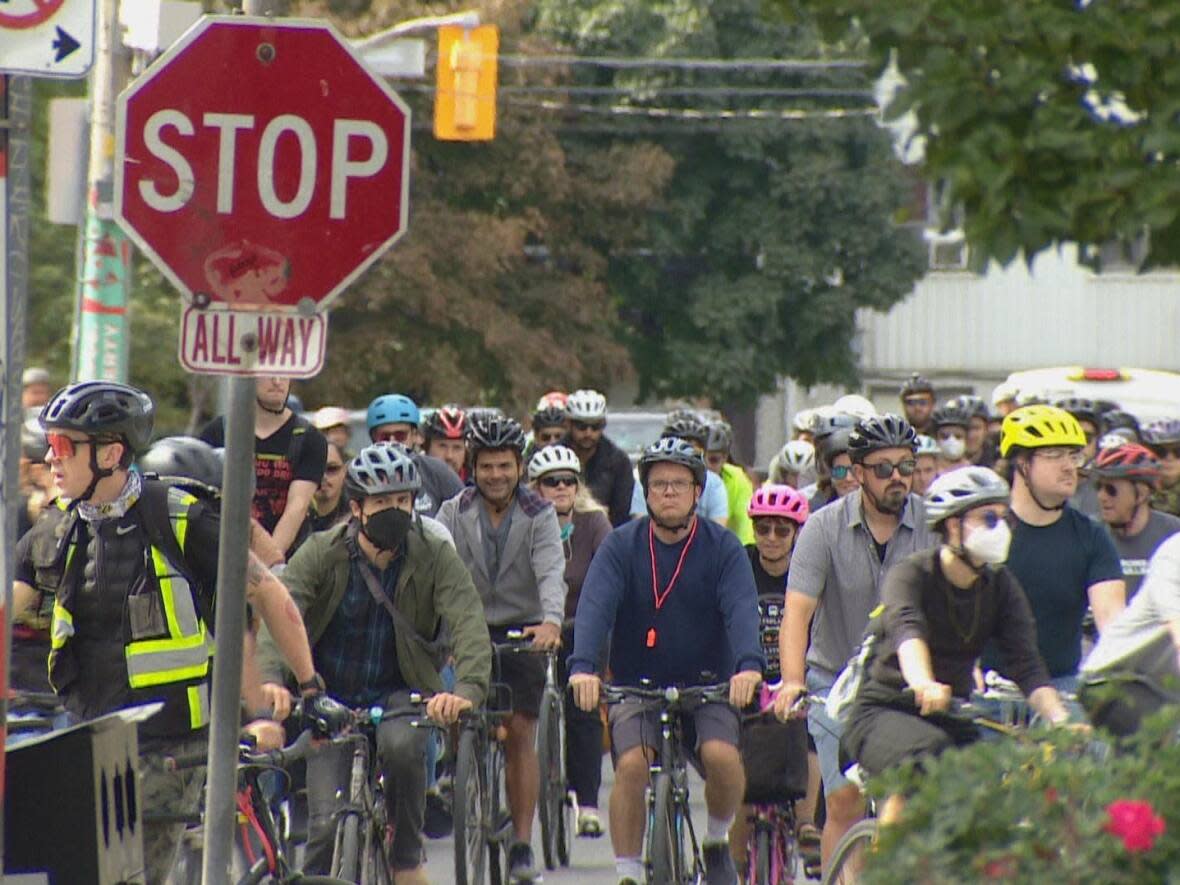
1056,565
357,655
708,623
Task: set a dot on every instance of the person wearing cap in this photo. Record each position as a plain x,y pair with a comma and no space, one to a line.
289,457
917,402
605,466
1125,477
333,423
375,592
938,609
840,560
676,597
36,386
1063,559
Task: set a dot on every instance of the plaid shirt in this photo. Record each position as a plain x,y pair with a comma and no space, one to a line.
356,655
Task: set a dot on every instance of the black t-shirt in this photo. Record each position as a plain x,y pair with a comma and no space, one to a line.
920,603
766,582
294,451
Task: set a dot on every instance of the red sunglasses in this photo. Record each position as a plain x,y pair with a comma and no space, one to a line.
63,446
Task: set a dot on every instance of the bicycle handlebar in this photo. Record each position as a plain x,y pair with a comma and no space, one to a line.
671,695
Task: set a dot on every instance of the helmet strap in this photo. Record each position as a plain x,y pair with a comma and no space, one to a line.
267,408
1023,468
97,474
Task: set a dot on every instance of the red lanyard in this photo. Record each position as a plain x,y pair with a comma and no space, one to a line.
661,598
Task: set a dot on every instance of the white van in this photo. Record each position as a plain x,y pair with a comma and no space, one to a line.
1145,393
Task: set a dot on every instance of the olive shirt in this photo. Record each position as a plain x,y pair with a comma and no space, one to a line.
433,585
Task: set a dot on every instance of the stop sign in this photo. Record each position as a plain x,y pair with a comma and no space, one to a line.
259,163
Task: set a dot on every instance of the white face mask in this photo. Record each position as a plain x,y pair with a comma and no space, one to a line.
952,448
990,546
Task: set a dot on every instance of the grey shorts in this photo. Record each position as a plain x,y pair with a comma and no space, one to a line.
637,724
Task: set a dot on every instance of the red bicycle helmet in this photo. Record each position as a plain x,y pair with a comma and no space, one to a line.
774,500
1128,461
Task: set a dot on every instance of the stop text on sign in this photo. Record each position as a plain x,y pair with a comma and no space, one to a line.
359,149
244,342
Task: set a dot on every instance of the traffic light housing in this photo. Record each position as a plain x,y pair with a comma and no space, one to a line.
465,97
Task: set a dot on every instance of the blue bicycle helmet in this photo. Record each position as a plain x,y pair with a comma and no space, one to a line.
392,408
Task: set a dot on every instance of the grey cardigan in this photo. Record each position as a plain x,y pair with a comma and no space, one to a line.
531,585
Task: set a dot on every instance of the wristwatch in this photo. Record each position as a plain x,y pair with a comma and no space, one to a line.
313,685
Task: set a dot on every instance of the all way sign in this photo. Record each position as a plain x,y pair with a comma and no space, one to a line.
244,342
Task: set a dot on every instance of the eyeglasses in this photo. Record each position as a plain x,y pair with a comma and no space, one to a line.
918,401
780,529
884,469
333,469
1076,457
63,446
399,436
585,425
841,471
679,486
553,482
1108,488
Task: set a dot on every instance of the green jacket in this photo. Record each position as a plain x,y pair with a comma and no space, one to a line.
739,490
434,585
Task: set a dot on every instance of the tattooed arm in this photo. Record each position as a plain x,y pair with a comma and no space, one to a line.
270,599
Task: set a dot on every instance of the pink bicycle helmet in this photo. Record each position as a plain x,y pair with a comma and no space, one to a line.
774,500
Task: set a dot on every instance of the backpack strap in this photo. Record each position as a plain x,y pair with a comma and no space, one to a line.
156,525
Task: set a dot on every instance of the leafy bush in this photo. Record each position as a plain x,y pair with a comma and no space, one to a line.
1054,806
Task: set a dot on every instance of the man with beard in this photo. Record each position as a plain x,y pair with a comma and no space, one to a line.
837,568
605,466
676,596
917,399
508,537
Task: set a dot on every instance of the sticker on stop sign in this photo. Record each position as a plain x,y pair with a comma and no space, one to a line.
261,165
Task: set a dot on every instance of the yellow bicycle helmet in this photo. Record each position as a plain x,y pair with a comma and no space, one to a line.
1037,427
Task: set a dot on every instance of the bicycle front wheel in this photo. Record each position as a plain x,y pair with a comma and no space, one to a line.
664,846
551,796
760,861
848,859
468,812
346,859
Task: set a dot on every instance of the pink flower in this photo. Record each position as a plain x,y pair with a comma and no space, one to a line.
1135,822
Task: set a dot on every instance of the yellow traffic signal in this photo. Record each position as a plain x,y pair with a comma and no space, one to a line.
465,98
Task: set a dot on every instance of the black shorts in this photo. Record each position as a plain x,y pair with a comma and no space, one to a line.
878,738
522,672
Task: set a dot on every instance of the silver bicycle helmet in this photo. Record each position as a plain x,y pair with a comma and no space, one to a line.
958,491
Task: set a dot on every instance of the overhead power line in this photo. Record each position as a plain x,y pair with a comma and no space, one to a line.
693,64
698,113
669,91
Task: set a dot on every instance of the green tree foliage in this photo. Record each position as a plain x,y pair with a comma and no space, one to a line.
772,232
1047,121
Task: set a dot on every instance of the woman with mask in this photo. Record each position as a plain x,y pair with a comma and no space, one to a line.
939,608
556,474
951,422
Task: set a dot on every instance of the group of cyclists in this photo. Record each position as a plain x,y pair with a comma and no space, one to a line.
907,551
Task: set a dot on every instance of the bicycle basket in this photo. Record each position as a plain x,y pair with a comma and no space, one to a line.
774,755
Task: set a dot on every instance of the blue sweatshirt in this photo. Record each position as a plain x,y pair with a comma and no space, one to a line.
707,623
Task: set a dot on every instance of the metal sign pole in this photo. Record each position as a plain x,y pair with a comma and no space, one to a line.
229,628
15,112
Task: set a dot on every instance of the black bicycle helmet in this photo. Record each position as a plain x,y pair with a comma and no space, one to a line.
185,461
672,450
974,406
493,433
102,409
916,384
689,427
1119,418
550,416
881,432
1082,408
952,413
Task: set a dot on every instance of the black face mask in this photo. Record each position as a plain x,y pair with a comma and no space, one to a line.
387,529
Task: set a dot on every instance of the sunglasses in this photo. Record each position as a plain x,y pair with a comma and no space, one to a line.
918,401
1108,488
780,530
884,469
63,446
841,472
586,425
550,436
553,482
392,436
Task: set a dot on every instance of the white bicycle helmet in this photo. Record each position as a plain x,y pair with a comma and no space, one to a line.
960,490
856,405
552,459
382,469
803,420
586,405
927,445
